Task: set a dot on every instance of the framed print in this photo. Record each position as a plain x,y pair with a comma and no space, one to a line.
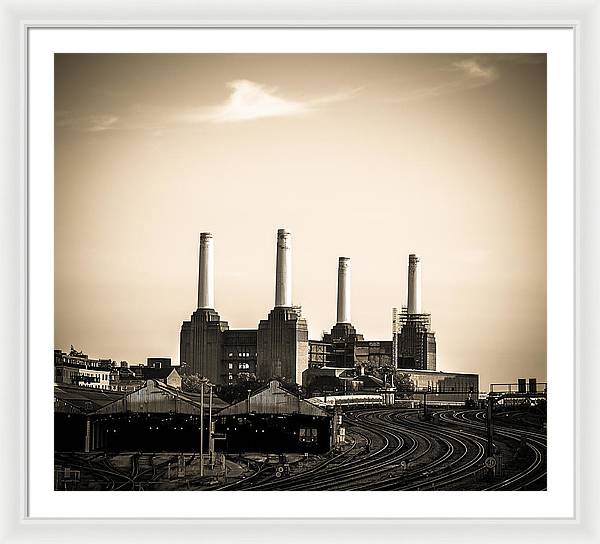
322,274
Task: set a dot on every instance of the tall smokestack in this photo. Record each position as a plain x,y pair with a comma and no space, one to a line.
283,273
206,272
414,284
343,295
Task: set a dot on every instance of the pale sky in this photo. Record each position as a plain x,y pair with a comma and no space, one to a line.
371,157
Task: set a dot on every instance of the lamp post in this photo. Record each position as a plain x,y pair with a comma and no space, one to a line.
202,382
490,426
211,442
201,427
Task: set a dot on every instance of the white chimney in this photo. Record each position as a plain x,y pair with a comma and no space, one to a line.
206,272
414,284
283,273
343,294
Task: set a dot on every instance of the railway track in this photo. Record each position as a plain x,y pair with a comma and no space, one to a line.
390,449
379,469
447,455
464,454
116,479
531,477
389,446
265,478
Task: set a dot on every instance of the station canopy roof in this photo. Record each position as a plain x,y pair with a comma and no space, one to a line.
274,399
82,400
152,397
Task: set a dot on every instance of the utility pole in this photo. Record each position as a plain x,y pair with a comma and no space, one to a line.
87,434
490,426
211,442
395,337
202,428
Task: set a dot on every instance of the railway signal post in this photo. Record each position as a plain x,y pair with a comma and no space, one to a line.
490,426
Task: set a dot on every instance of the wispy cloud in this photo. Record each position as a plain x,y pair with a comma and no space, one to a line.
476,72
98,123
86,123
521,58
464,74
133,119
249,101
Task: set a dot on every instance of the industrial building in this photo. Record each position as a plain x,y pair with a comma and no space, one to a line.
154,417
279,347
415,339
443,382
445,386
412,346
273,419
158,417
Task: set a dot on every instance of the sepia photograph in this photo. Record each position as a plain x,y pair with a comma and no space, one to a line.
300,272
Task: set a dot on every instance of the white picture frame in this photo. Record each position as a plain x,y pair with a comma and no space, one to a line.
17,22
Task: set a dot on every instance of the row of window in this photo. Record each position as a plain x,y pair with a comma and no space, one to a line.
99,377
241,354
81,376
102,376
241,366
83,363
96,386
441,385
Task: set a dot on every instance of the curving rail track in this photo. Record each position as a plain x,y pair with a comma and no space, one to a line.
99,466
387,449
392,449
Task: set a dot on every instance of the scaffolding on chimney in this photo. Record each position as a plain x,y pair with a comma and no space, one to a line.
403,318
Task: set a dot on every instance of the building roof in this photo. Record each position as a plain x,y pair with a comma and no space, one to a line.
218,403
273,399
441,372
158,398
152,396
82,400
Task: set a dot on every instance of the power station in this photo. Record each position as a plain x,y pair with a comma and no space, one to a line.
279,347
